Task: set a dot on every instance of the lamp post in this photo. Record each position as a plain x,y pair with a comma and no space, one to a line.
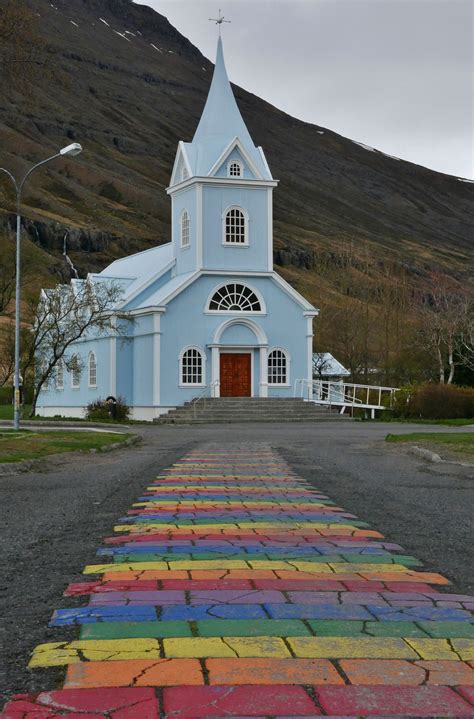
70,150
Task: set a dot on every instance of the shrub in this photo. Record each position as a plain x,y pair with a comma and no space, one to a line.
101,409
434,401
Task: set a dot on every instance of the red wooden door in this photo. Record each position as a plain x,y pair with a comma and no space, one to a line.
235,374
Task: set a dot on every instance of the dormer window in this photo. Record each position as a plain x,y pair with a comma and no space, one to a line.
235,169
185,232
235,227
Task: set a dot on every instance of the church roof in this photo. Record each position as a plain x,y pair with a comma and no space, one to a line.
221,123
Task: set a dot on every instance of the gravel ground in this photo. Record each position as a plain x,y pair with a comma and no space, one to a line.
53,519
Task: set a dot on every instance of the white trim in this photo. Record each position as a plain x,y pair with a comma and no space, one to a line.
256,329
264,160
238,313
89,383
187,245
270,229
287,368
203,367
156,358
293,293
149,280
246,241
113,366
199,227
235,144
263,384
221,181
240,165
309,350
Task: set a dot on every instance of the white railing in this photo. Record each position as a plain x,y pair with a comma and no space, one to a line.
208,392
345,394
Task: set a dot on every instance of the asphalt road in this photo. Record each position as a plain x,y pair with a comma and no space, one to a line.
53,520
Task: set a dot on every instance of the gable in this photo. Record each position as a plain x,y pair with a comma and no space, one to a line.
235,149
181,168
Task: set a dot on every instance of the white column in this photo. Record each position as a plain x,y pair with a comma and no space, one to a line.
113,367
309,339
199,228
156,359
215,371
263,386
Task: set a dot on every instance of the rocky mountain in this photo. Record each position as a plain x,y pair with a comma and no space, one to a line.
129,86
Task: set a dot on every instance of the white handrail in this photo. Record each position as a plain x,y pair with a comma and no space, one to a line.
202,396
344,394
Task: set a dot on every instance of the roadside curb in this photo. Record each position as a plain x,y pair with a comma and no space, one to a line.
430,456
7,423
26,465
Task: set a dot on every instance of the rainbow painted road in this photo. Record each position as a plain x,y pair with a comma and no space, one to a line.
232,588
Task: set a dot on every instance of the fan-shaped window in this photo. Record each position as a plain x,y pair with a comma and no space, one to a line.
235,227
234,169
191,370
60,375
92,370
235,298
277,367
185,227
75,370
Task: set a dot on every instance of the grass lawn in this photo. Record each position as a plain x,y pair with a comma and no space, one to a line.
16,446
460,445
448,422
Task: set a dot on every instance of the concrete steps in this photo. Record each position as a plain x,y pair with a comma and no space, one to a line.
249,409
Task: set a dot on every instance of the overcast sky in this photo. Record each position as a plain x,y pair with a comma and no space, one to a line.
393,74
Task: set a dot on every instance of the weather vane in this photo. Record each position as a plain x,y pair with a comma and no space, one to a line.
219,20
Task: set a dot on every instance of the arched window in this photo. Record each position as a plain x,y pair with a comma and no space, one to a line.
60,375
184,229
235,298
192,366
75,372
234,169
277,367
235,227
92,367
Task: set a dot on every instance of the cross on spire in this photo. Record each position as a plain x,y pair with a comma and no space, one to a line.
219,20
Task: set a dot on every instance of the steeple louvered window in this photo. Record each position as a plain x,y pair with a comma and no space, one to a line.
235,227
235,298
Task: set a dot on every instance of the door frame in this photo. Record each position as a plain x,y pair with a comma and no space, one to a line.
239,350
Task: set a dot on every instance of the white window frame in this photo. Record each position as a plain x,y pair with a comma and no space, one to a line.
287,357
91,384
239,313
225,243
240,166
184,173
75,374
59,375
184,217
194,348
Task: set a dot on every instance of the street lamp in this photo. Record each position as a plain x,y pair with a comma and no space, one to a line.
70,150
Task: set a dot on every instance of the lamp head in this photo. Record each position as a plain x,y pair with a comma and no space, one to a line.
72,150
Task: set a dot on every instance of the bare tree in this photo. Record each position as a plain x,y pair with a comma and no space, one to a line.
445,315
65,314
321,363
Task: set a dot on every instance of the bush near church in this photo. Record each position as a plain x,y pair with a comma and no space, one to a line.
434,401
102,409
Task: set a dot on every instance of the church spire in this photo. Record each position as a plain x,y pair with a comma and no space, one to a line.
220,123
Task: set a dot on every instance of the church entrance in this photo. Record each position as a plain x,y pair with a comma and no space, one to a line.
236,374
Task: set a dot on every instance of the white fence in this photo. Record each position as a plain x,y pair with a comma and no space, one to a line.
345,395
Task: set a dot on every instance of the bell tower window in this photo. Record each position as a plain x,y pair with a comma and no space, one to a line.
235,169
235,227
185,229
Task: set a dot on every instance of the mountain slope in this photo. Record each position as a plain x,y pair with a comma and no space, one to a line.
128,86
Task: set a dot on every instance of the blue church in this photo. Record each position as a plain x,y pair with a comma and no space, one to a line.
207,311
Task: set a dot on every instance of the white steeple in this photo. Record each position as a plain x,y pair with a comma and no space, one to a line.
221,124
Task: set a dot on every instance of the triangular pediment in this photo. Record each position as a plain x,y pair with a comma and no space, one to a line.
181,168
235,151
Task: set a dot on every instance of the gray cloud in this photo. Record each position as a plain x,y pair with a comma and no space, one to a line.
393,74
